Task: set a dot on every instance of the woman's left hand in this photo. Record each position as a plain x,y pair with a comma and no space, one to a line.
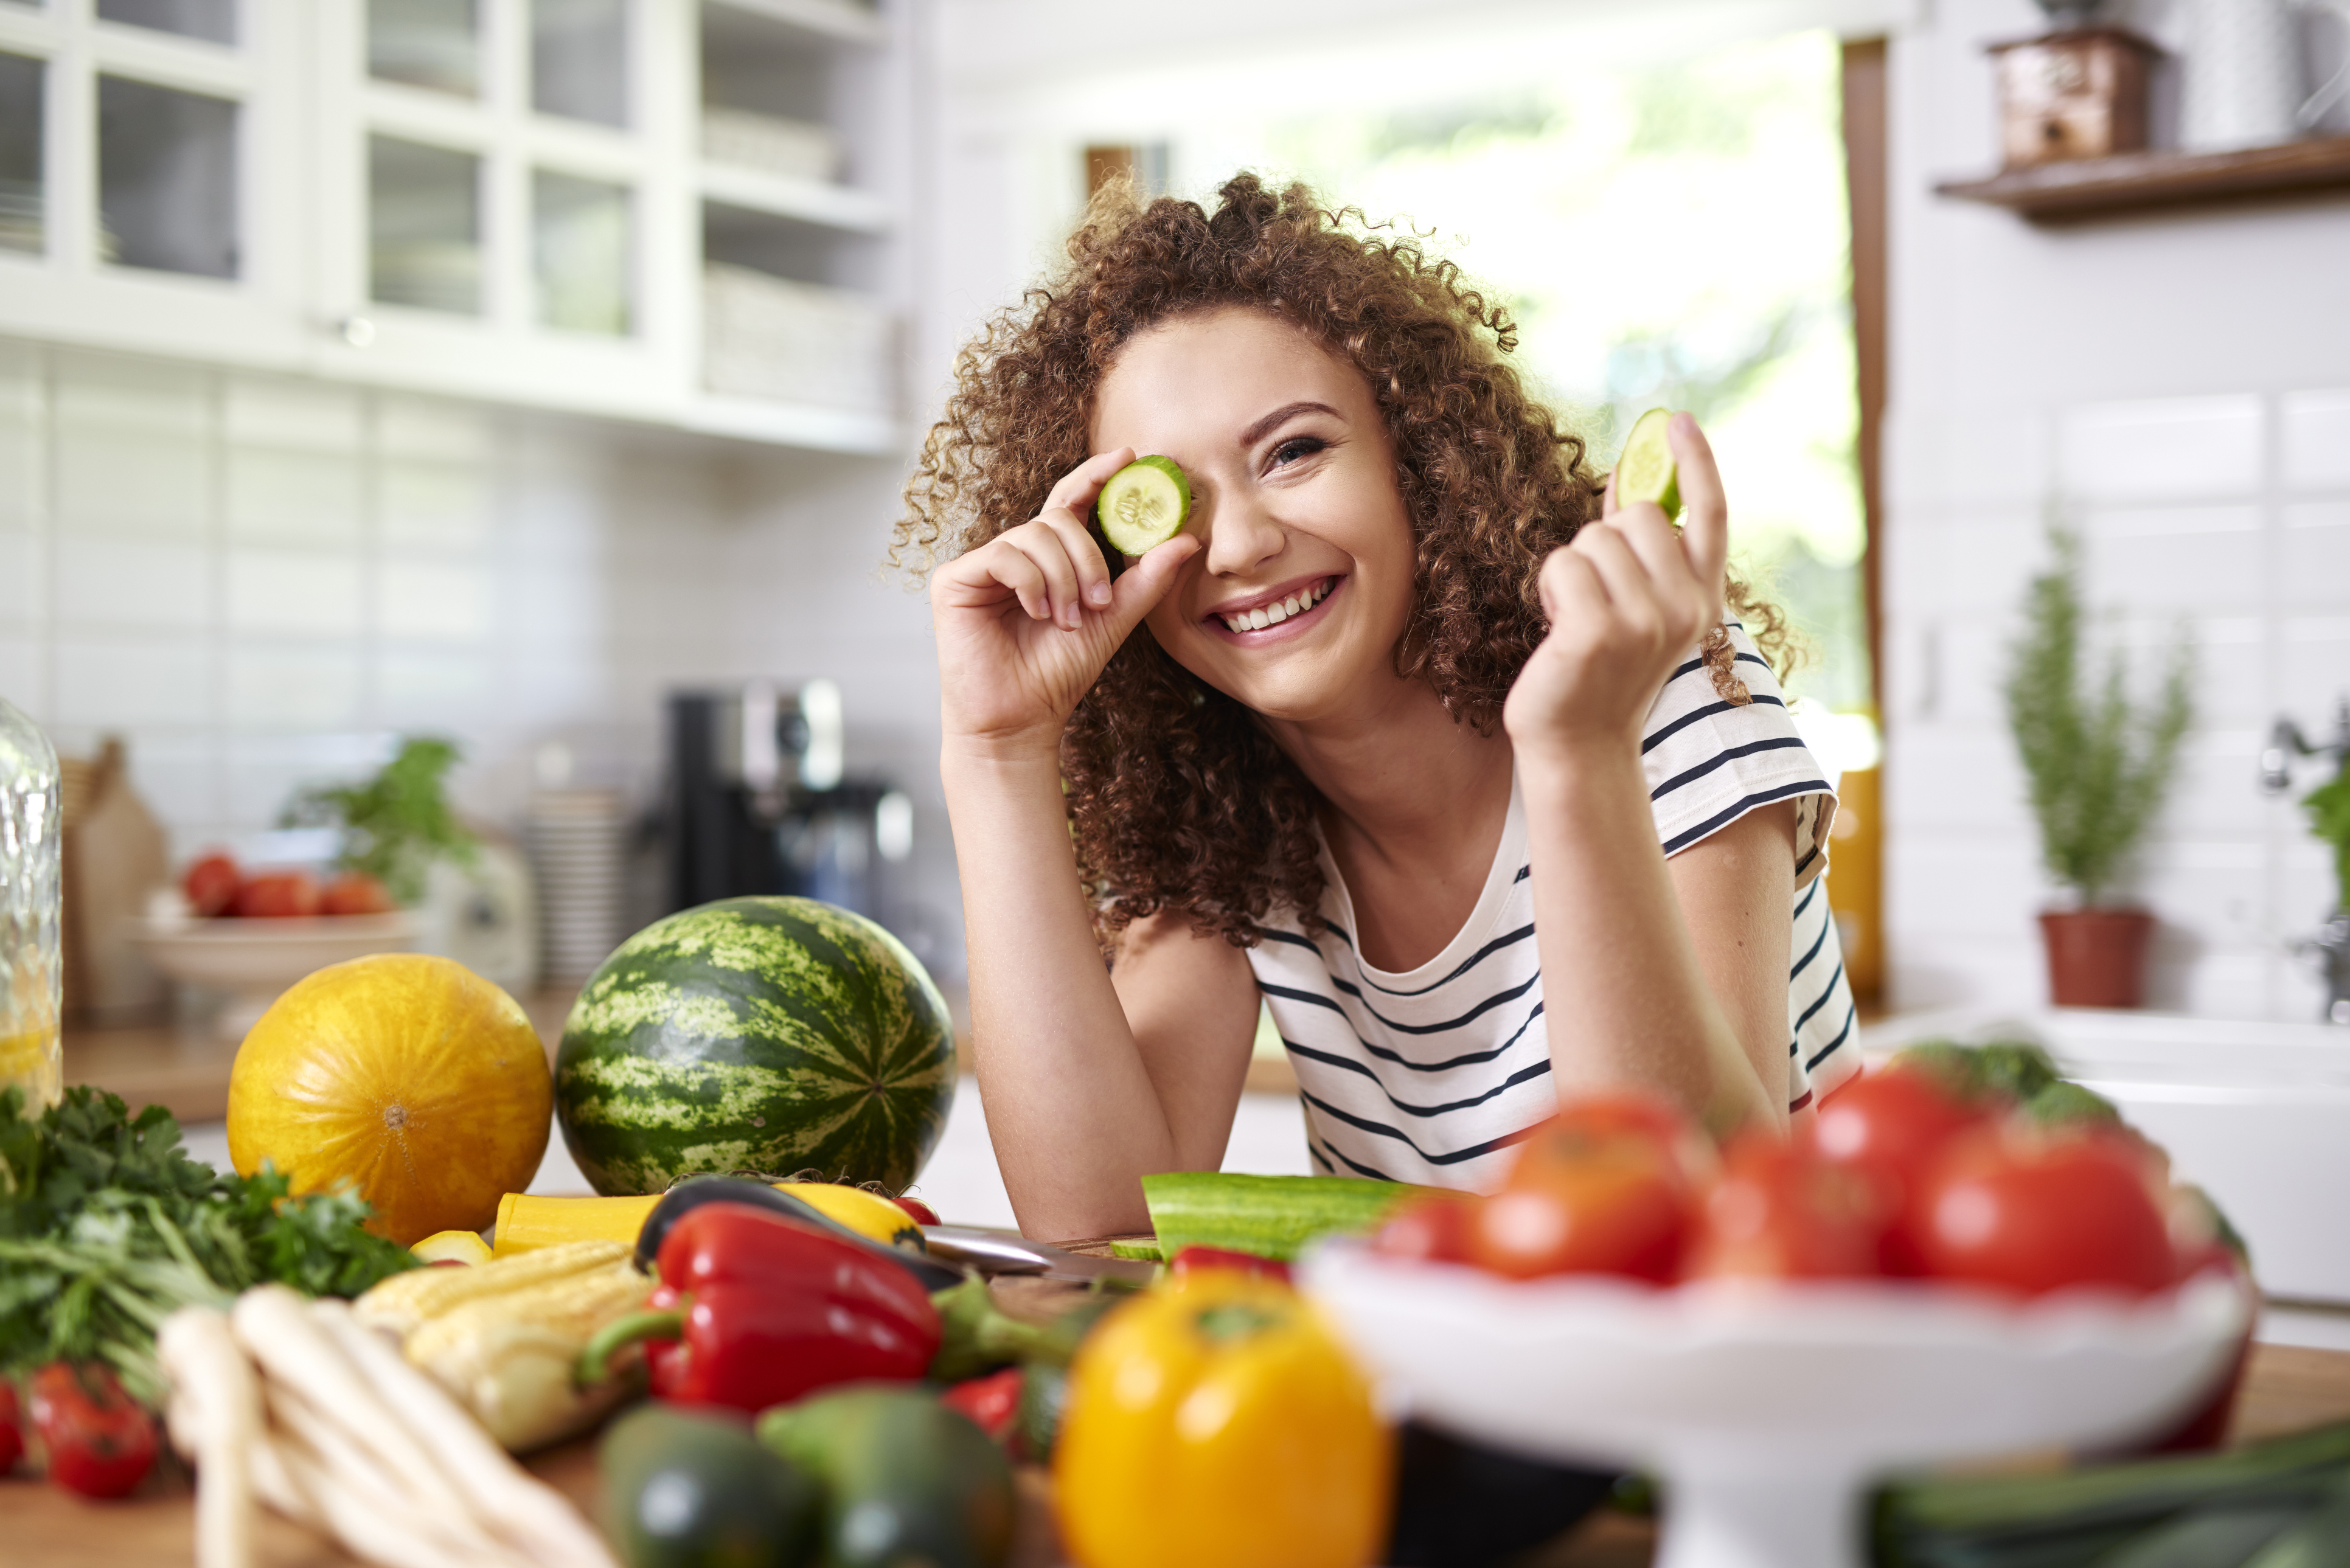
1627,599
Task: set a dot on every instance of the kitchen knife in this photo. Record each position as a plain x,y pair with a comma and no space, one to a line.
1009,1253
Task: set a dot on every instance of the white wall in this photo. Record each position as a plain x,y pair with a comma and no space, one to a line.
259,581
2179,386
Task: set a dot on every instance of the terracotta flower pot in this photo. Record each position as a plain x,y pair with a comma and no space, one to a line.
2096,957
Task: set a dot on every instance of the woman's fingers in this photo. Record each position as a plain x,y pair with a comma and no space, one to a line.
1016,572
1633,599
1144,582
1705,534
1084,555
1079,487
1044,548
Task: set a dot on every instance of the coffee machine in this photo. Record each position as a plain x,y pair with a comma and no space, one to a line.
758,801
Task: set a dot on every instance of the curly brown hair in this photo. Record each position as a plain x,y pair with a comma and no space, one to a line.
1180,800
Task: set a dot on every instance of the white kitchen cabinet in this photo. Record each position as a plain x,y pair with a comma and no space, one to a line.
503,199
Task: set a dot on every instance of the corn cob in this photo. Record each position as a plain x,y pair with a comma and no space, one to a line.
503,1337
403,1302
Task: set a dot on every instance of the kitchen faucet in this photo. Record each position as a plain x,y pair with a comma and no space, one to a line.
2331,946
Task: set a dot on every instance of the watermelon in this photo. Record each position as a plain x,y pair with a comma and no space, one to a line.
766,1035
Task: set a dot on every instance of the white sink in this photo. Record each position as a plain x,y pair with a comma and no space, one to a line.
2257,1115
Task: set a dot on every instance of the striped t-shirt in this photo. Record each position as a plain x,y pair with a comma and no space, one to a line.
1430,1076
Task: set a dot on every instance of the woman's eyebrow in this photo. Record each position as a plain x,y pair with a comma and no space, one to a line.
1282,416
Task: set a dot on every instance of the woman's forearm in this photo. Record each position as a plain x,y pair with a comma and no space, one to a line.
1626,998
1072,1113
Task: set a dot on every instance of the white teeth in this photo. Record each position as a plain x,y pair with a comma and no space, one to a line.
1274,614
1258,621
1278,613
1291,607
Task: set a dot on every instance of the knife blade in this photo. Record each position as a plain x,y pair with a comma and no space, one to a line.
992,1251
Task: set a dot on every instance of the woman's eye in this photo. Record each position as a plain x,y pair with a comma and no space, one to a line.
1295,448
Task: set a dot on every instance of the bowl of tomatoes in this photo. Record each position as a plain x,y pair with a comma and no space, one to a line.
1928,1272
252,933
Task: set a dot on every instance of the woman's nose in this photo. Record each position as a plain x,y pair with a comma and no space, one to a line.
1240,535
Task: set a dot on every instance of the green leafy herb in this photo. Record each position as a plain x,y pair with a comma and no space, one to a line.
399,821
2329,817
2098,767
107,1226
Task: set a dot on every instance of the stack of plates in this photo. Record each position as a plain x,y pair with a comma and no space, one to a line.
795,149
576,848
23,216
767,337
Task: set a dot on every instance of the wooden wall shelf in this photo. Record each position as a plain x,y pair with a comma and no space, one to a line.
2091,188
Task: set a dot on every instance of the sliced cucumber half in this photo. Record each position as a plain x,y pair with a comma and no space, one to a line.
1645,471
1144,505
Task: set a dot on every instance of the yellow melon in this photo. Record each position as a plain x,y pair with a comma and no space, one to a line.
408,1076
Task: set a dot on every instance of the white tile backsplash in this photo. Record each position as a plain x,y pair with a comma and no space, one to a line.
2317,440
105,582
282,496
293,687
261,583
2166,449
293,592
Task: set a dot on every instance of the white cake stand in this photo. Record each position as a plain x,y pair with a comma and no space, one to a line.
1766,1410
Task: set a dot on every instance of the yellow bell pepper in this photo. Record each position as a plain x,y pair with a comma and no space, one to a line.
527,1222
1215,1420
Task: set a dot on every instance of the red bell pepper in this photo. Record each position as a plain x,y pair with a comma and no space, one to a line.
101,1442
765,1309
993,1402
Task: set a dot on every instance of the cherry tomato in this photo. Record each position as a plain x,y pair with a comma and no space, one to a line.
2034,1214
991,1402
100,1442
1780,1212
211,885
279,895
922,1212
355,893
12,1429
1433,1229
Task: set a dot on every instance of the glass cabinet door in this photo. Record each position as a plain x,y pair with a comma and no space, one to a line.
581,253
214,21
580,59
23,205
425,223
434,44
167,163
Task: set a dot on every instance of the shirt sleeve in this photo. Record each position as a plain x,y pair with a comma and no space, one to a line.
1709,761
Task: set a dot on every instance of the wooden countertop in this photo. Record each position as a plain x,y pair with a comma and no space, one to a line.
186,1071
2285,1390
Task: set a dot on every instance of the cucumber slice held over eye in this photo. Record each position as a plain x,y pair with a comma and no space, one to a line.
1143,505
1645,471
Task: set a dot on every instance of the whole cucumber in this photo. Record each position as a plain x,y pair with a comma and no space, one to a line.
906,1480
686,1491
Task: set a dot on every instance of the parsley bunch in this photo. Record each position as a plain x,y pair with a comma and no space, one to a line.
107,1227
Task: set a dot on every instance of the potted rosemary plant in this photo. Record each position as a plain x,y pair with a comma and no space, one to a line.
2098,766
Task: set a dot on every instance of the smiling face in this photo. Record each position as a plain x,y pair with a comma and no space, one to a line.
1294,606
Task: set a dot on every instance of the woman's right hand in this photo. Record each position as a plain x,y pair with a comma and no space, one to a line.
1026,622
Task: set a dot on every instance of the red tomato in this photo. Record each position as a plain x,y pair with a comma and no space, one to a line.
2031,1213
355,893
922,1212
279,895
12,1430
100,1443
1892,1123
1433,1229
1780,1212
211,885
991,1402
1618,1114
1622,1208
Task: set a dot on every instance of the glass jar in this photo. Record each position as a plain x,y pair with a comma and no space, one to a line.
32,970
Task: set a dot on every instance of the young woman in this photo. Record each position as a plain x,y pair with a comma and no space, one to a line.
1413,734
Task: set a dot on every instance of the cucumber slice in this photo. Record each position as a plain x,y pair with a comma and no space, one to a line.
1645,471
1144,505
